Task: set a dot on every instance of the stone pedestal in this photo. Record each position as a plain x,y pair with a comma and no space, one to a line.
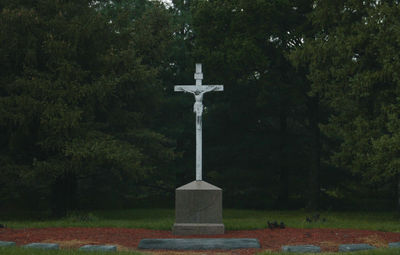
198,209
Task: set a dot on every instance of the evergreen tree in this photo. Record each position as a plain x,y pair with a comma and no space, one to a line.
352,64
78,90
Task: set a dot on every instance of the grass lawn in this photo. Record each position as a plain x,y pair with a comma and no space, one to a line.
371,252
163,219
23,251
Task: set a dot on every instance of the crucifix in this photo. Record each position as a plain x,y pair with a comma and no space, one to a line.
198,91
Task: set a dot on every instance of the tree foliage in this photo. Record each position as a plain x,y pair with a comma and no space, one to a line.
352,63
88,118
78,88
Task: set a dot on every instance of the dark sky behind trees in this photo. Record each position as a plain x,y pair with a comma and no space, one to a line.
309,117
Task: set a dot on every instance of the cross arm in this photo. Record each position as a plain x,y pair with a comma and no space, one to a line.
185,88
204,88
213,88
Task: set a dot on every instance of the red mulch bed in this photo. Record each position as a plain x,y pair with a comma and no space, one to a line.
270,239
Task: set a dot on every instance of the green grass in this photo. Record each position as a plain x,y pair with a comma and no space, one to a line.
140,218
163,219
24,251
370,252
383,221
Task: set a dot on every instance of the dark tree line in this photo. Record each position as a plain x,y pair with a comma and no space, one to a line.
309,117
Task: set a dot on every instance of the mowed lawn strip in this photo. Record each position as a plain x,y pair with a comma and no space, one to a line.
370,252
24,251
163,219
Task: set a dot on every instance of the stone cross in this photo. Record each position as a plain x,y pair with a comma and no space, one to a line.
198,91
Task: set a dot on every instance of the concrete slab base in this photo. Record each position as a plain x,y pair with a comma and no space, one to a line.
355,247
394,245
44,246
198,229
6,244
301,248
199,244
98,248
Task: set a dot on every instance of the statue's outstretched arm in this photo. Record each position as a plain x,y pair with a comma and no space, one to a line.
209,89
185,90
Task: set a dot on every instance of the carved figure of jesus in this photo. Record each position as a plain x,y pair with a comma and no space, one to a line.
198,91
198,104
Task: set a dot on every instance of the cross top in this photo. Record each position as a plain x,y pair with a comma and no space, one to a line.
198,75
198,88
198,91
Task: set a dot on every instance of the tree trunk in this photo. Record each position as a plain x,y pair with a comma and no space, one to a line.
315,164
64,194
283,196
398,193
